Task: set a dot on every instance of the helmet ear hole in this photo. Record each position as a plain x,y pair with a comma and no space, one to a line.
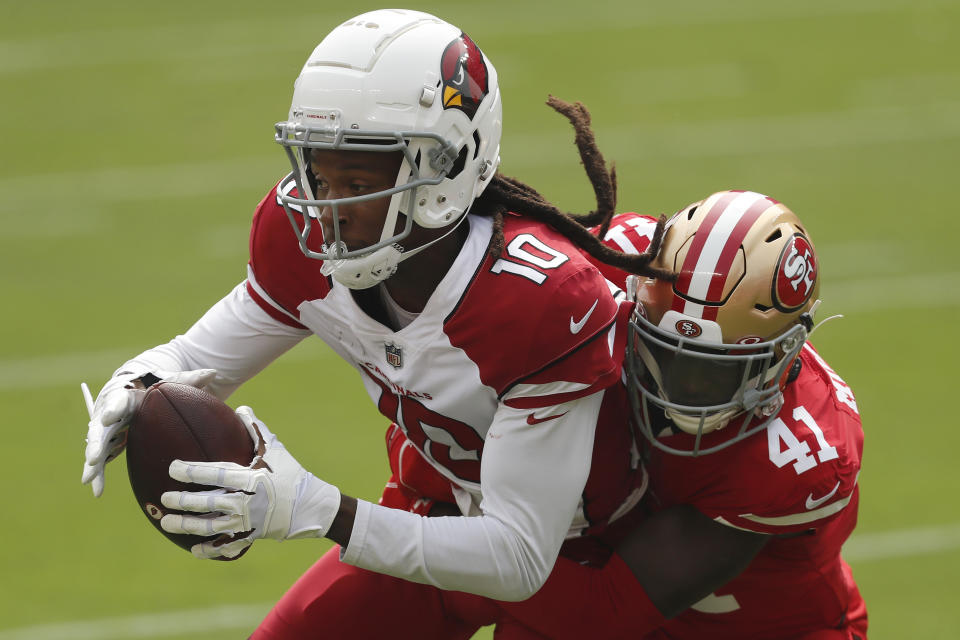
458,164
476,144
792,373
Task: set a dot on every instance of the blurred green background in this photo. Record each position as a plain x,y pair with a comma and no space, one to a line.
137,139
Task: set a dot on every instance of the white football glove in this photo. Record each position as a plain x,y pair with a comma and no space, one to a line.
110,416
273,497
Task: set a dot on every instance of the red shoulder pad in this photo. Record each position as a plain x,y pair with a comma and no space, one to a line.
281,276
628,233
539,303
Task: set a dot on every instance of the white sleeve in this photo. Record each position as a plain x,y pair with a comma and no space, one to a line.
531,477
235,337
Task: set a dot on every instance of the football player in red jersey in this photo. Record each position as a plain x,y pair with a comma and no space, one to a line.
754,445
419,264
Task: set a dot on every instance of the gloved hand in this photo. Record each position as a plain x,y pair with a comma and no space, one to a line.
273,497
110,416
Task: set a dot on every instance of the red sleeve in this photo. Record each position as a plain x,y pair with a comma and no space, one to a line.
281,277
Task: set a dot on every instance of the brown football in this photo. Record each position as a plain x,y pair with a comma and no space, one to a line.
180,422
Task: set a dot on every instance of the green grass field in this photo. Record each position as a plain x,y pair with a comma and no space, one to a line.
137,138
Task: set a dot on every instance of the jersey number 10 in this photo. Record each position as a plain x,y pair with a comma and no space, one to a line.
517,249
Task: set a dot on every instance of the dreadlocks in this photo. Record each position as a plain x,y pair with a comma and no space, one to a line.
505,194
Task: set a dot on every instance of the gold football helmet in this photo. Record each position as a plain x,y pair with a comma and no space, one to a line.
719,342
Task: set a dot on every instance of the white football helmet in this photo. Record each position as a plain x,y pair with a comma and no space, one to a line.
721,340
392,80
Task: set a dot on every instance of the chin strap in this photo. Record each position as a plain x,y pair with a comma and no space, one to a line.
823,322
807,318
453,227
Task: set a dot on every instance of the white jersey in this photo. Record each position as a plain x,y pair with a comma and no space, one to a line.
508,383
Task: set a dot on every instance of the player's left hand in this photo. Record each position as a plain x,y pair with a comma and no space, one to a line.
110,415
273,497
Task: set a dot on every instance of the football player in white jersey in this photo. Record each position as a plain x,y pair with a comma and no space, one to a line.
464,302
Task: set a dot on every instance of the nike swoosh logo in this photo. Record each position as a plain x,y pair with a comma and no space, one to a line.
532,419
814,503
576,326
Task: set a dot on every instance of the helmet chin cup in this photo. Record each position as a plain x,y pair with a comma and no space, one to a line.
695,425
365,271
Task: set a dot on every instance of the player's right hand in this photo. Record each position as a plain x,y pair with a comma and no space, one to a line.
110,416
273,497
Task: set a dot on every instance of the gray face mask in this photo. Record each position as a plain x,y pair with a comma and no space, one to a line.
701,387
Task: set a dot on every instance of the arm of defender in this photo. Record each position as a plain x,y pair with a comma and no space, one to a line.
680,556
671,561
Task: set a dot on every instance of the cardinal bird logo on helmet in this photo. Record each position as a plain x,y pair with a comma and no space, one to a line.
464,74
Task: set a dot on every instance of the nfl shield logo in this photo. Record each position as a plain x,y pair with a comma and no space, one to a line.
394,355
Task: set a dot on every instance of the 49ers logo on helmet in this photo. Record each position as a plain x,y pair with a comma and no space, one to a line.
796,274
688,328
464,74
